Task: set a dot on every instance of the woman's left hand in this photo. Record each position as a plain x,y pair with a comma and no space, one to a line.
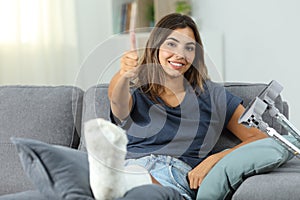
196,175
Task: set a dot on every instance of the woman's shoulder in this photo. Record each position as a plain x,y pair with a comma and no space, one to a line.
212,84
210,87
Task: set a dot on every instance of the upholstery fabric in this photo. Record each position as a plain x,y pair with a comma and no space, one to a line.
282,183
95,105
26,195
149,192
58,172
38,112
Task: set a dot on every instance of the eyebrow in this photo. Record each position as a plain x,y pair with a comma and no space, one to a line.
174,39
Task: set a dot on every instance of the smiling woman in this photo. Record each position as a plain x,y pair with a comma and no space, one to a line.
38,42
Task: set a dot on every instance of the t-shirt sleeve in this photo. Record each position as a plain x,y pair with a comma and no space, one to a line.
232,103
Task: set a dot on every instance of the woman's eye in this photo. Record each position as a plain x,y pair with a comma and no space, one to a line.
171,44
190,48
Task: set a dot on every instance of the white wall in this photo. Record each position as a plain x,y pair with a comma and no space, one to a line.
261,42
100,48
94,23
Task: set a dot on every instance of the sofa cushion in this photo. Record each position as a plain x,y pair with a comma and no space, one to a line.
95,105
281,183
58,172
254,158
49,114
26,195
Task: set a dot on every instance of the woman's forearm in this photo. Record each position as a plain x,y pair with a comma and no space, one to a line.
119,96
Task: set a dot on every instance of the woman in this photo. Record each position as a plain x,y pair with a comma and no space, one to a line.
172,112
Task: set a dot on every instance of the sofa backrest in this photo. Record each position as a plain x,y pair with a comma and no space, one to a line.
38,112
96,104
248,91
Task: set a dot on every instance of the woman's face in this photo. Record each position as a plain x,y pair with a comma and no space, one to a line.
177,52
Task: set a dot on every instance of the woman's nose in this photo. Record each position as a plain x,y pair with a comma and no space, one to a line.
179,53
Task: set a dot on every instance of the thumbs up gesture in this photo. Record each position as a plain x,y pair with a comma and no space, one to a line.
129,60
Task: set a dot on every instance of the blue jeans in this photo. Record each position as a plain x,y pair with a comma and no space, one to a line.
168,171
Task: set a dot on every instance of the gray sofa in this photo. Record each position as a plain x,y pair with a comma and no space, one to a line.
55,115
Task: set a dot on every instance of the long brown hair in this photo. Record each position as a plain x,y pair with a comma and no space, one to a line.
151,76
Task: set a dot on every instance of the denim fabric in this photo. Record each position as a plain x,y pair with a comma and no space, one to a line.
168,171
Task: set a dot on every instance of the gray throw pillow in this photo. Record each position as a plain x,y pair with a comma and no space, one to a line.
58,172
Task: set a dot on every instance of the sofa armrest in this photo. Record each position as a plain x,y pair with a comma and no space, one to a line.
50,114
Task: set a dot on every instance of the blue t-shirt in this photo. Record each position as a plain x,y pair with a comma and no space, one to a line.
187,132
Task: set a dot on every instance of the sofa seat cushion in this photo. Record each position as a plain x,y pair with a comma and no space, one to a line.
26,195
281,183
45,113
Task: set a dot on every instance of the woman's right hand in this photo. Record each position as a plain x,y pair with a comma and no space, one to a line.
129,60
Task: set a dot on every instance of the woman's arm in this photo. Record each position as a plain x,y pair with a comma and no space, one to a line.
119,96
118,90
246,135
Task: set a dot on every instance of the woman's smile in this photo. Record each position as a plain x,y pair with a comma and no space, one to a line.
176,65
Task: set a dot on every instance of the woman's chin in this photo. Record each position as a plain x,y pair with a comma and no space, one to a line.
174,74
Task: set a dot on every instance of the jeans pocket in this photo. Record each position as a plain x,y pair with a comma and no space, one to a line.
179,179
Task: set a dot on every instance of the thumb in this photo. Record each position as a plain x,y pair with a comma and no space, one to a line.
132,41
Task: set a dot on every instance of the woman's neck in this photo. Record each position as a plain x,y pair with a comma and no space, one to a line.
174,93
174,86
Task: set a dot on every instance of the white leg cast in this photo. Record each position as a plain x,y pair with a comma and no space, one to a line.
106,146
135,176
